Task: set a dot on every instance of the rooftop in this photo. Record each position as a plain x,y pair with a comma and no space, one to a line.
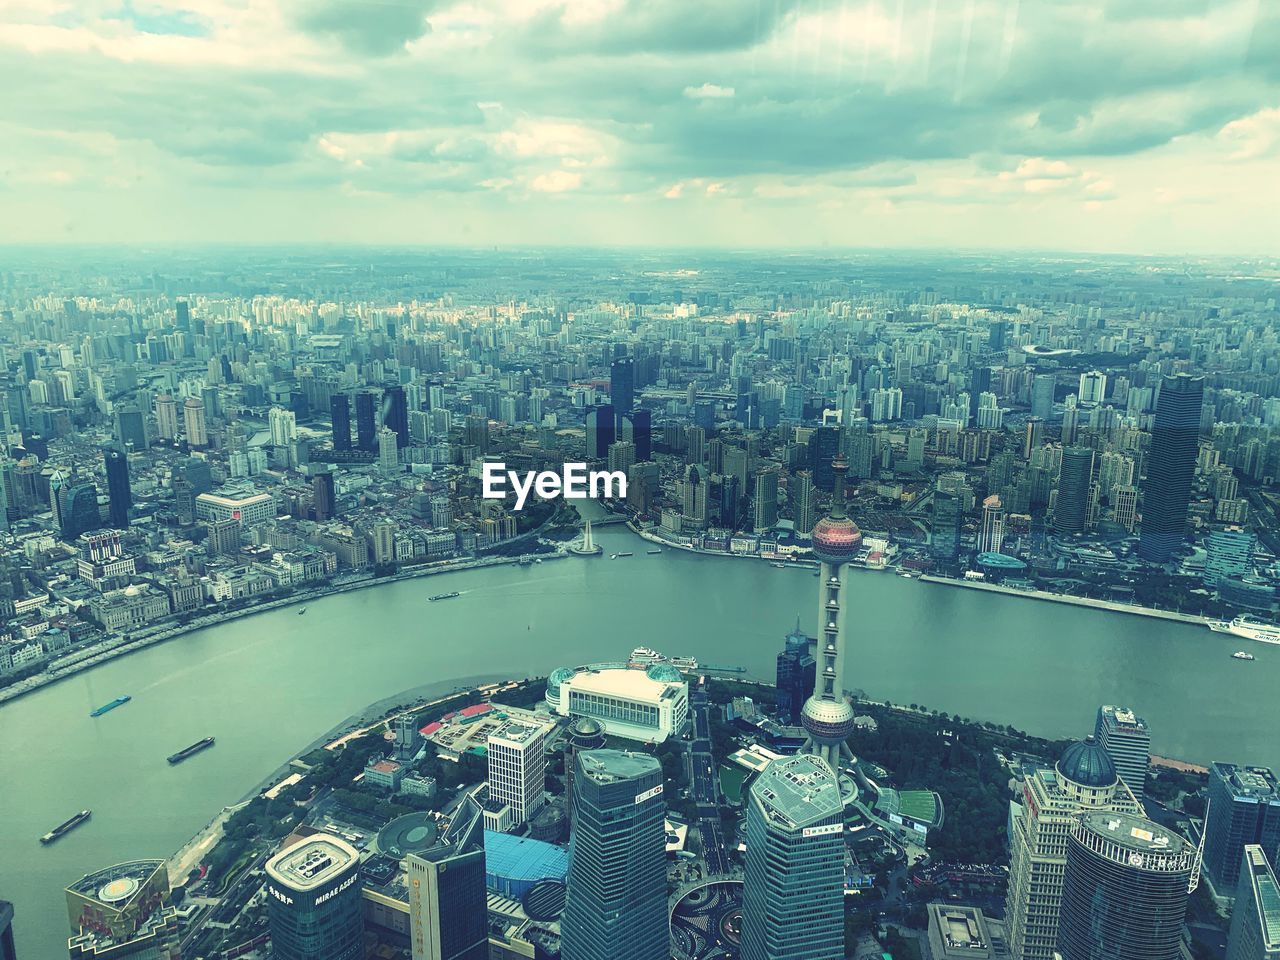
623,682
1266,894
523,858
312,862
1135,833
797,791
610,766
1254,783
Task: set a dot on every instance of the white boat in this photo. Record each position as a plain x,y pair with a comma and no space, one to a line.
645,655
1248,628
1241,655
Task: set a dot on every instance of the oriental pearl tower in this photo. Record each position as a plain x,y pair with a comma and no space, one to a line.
827,716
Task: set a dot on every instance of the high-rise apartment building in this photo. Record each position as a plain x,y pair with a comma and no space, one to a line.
388,450
517,757
1093,387
1125,890
616,907
166,417
1125,737
793,896
314,902
1083,781
1166,492
804,504
991,533
1244,808
1255,918
1042,388
765,502
193,414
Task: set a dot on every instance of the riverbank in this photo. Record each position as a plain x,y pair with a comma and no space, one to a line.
192,853
1109,605
110,650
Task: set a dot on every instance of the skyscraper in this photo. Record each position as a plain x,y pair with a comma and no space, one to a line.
765,501
366,421
1032,437
1125,890
323,497
944,532
340,416
395,413
600,431
1071,509
130,428
118,490
585,733
991,534
79,512
622,385
616,906
1042,388
7,950
196,426
637,426
314,902
804,503
1125,737
1083,781
793,896
1166,492
1255,918
1093,387
1244,808
388,450
166,416
448,903
796,675
517,757
120,912
827,715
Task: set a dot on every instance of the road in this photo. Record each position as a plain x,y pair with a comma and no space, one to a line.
704,785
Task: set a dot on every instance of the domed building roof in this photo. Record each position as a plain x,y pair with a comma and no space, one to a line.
1087,763
664,673
559,676
587,727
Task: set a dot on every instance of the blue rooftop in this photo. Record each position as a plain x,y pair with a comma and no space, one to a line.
514,864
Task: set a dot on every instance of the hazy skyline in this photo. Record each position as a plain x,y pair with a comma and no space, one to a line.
1143,126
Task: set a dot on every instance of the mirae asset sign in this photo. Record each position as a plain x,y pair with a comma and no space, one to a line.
573,482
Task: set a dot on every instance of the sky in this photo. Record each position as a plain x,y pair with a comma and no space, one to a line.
1127,126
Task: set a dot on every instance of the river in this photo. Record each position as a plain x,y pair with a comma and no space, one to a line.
266,686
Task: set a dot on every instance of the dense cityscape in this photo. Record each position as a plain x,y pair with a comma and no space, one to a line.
196,437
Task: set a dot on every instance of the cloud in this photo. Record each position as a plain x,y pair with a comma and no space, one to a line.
555,181
708,91
374,28
775,107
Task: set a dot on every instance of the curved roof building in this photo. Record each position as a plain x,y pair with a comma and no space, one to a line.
515,865
1086,763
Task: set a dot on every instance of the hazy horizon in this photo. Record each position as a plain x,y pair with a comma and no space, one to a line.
1092,127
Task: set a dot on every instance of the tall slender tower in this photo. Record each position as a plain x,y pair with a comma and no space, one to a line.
827,716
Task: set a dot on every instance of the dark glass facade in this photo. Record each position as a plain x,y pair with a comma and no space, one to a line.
616,905
622,385
118,490
1170,467
1125,891
796,676
340,415
1071,509
366,421
323,922
1244,808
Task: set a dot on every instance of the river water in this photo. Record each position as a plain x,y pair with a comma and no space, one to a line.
266,686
